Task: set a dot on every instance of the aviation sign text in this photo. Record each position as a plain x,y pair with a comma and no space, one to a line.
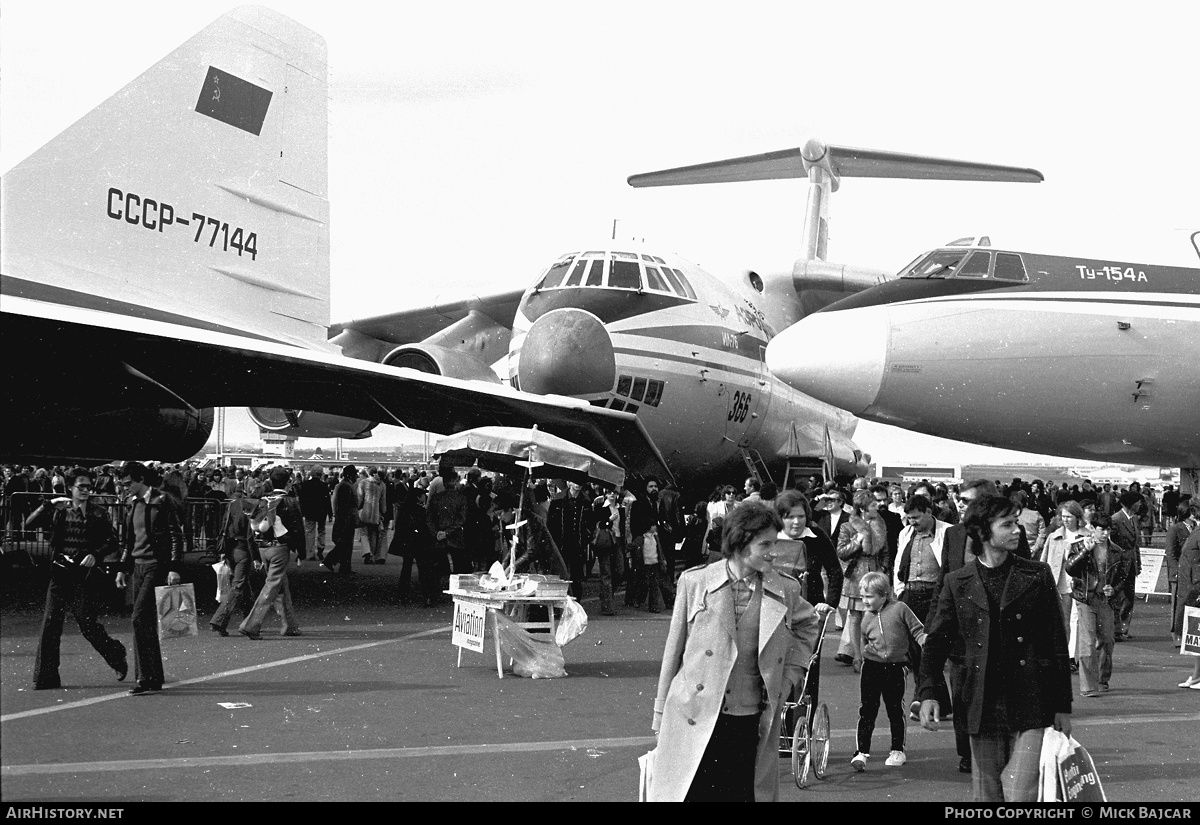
156,215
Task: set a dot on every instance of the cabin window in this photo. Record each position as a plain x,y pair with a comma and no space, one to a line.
975,266
1010,267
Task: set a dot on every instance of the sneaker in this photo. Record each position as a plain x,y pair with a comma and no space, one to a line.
914,710
859,761
895,759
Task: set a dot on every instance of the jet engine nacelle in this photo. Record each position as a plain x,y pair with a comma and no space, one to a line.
819,283
440,360
162,434
307,424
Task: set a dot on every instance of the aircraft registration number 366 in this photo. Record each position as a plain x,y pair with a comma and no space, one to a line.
1112,273
741,406
156,215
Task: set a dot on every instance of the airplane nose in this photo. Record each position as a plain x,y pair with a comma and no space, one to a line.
836,357
567,352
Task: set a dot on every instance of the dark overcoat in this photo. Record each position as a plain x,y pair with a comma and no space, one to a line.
1033,645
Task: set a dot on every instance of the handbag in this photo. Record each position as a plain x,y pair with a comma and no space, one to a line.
176,608
602,538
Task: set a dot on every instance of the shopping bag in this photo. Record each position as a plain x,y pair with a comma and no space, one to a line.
176,611
1078,779
574,622
224,577
646,765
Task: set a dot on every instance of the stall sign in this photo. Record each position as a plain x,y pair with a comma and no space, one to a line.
469,623
1190,643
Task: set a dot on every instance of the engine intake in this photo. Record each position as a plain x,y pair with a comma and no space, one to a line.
438,360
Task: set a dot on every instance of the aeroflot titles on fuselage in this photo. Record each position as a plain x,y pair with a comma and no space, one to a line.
152,214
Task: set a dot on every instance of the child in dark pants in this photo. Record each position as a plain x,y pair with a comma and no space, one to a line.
887,628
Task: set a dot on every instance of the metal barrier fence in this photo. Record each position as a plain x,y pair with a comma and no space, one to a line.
202,519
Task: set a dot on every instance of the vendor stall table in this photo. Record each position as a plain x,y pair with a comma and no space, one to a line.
492,602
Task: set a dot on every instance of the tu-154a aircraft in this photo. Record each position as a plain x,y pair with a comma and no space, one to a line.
169,253
1084,357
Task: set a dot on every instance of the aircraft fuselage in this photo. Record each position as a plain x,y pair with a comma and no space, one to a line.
678,347
1079,357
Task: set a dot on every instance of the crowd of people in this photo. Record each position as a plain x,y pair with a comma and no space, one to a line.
979,581
1007,588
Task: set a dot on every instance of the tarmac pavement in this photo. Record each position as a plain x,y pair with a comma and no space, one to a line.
368,705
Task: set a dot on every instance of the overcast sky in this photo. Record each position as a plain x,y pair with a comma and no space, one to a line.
471,143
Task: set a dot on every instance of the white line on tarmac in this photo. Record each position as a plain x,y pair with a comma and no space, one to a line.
243,760
82,703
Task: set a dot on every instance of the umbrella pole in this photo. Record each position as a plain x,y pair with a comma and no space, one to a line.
512,548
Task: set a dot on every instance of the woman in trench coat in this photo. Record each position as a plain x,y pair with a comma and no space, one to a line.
701,662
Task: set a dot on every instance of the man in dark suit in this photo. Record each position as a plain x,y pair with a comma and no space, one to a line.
894,522
1124,535
1004,613
955,554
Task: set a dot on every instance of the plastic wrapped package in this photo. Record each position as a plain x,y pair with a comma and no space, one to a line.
537,657
573,623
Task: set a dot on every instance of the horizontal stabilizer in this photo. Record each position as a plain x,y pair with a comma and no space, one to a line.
841,161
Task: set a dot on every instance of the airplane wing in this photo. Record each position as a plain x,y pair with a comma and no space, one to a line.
842,161
417,324
201,368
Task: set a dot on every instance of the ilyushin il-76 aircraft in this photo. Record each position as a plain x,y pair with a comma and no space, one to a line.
169,253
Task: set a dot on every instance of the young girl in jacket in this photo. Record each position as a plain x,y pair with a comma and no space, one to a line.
887,628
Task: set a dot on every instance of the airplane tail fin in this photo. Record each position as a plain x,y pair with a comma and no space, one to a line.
198,194
824,165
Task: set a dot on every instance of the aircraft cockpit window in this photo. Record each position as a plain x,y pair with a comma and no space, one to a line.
687,288
555,275
942,264
676,283
576,276
1010,267
976,266
624,274
656,280
595,276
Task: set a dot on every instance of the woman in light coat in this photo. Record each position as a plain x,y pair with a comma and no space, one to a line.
1058,547
724,676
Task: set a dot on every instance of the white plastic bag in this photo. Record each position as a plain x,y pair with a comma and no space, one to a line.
224,577
574,622
537,657
646,764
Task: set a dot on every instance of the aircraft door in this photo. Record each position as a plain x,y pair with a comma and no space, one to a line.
748,405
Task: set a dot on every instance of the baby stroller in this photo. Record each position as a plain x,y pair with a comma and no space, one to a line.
804,722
